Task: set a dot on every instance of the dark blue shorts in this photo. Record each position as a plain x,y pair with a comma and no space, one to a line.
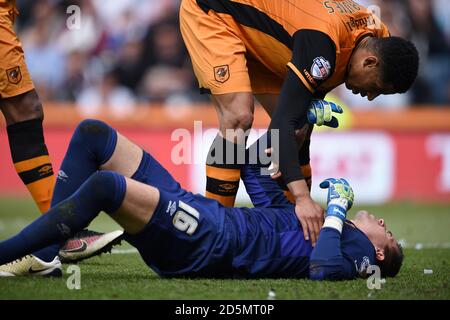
187,233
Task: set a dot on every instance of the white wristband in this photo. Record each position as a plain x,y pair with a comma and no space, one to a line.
334,222
341,202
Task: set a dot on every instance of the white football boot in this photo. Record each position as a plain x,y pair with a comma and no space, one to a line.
31,266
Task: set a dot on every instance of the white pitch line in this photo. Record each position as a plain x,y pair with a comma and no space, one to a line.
419,246
124,251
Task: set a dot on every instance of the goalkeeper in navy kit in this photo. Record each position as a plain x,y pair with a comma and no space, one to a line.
178,233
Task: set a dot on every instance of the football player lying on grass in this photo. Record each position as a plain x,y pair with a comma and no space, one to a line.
178,233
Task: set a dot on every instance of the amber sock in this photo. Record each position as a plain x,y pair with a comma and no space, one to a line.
31,160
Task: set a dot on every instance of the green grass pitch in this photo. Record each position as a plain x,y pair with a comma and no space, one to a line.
424,229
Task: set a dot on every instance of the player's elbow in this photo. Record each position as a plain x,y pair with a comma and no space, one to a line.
318,271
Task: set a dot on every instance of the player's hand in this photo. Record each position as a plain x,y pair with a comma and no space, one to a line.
274,169
320,113
311,216
340,197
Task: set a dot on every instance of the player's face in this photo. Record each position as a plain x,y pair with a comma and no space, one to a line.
364,78
375,229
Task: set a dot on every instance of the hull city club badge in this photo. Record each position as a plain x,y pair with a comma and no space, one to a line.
14,75
222,73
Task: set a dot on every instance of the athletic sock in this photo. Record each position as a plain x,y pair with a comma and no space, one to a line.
31,160
92,145
104,190
223,170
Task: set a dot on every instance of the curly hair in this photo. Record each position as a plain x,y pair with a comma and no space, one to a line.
399,62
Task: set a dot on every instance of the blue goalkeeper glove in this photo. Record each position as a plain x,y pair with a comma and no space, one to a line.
320,113
340,197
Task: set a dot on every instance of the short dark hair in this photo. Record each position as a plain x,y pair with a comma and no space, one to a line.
399,62
393,260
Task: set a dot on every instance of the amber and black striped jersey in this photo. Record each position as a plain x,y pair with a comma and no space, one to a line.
270,32
8,6
313,38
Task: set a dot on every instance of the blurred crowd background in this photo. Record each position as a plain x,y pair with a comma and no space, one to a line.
130,52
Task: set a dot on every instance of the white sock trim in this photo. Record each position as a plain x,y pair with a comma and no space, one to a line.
334,222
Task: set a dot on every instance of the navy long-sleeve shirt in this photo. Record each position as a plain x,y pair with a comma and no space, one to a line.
336,256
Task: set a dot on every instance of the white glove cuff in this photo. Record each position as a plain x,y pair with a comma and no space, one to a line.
341,202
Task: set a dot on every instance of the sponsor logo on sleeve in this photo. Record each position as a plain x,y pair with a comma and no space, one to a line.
310,78
321,68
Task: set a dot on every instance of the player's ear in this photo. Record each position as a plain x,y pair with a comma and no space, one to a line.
371,61
379,254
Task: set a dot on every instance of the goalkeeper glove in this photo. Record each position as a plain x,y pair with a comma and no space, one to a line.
320,113
339,201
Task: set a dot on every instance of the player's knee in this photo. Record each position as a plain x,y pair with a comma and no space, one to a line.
107,188
245,120
237,111
89,127
88,131
241,120
100,184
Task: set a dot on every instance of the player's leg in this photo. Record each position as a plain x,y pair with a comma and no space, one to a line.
22,109
129,202
138,205
97,146
261,188
218,58
93,144
227,153
23,112
24,116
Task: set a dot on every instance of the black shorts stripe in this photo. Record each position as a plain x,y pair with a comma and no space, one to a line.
222,188
249,16
36,174
231,166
